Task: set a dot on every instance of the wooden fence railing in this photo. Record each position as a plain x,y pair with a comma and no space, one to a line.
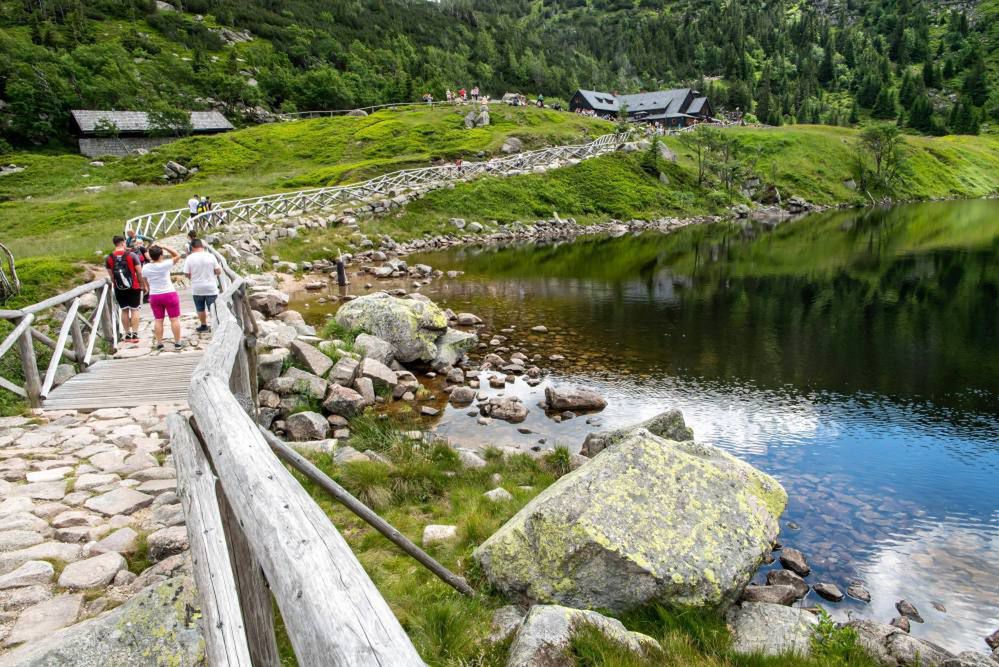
76,341
255,532
267,207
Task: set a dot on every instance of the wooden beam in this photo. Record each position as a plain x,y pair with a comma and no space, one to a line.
304,466
333,612
254,595
65,296
15,334
223,628
98,318
79,346
10,386
60,346
51,344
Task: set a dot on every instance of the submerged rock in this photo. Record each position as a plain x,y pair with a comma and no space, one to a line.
649,520
507,408
546,633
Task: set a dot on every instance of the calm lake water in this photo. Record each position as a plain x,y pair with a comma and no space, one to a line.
852,355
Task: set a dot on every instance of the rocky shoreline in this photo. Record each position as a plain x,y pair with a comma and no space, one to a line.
403,347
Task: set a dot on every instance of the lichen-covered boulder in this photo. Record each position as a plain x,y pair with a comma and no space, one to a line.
646,520
159,626
412,327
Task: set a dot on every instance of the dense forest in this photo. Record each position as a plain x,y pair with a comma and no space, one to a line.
931,66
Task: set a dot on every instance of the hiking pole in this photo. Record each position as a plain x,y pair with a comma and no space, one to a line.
304,466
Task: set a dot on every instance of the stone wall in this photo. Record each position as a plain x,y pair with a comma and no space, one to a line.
99,146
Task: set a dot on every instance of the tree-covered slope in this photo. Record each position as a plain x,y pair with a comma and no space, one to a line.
808,62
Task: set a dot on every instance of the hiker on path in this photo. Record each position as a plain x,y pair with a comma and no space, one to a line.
204,271
192,236
163,297
125,271
132,237
192,205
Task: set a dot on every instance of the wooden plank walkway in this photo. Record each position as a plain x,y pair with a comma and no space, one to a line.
126,383
138,375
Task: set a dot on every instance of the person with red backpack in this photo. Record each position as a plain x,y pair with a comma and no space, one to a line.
125,271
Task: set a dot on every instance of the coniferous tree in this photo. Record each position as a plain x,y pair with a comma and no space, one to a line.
908,92
930,78
854,113
885,107
921,115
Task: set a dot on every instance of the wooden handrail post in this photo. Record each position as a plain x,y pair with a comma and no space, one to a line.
79,345
107,318
254,595
29,365
226,640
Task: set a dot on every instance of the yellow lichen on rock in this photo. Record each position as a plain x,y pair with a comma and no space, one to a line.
648,519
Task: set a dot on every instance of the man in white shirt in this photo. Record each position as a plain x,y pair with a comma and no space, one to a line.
203,270
192,205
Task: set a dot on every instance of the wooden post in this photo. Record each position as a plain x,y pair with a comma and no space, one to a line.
29,365
79,345
107,318
225,633
254,595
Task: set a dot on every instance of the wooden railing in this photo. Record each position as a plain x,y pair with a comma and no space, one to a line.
76,341
254,531
283,204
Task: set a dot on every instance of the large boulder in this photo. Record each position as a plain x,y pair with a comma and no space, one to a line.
648,520
159,626
344,401
668,425
545,635
507,408
760,628
410,326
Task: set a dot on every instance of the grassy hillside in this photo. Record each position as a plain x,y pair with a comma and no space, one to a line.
45,210
813,162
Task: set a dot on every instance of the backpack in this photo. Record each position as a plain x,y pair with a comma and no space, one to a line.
120,270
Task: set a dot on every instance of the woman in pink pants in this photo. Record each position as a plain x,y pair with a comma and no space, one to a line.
163,297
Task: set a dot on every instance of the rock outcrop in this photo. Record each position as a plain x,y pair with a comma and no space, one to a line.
156,627
891,646
647,520
771,629
544,636
668,425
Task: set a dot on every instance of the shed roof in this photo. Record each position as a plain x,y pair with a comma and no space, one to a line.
697,106
138,121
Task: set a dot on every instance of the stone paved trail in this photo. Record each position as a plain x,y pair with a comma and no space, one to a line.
91,529
88,516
